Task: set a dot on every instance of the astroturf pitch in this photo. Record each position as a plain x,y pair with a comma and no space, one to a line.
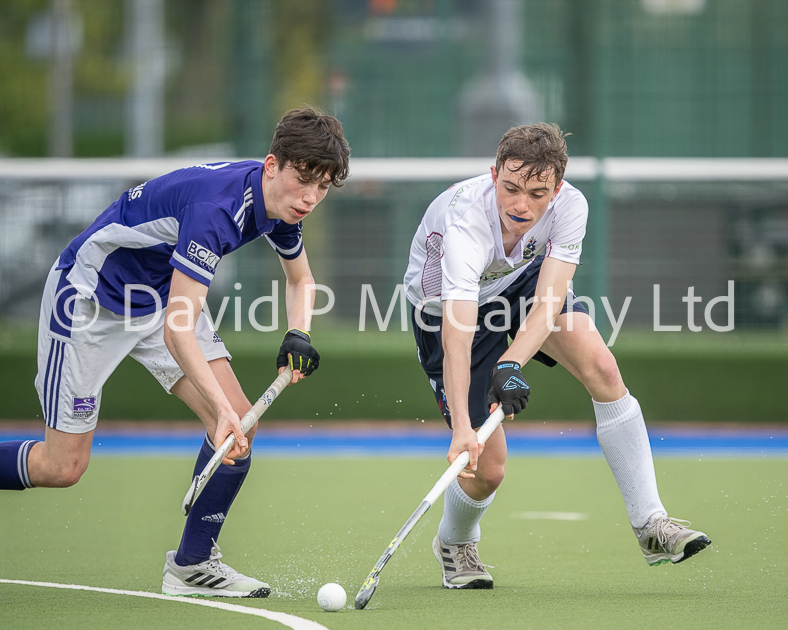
557,534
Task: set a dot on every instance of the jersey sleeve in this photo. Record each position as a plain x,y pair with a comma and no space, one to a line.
286,240
569,228
461,264
207,232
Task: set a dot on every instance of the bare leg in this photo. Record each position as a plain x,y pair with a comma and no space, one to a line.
490,469
184,390
583,352
621,430
60,460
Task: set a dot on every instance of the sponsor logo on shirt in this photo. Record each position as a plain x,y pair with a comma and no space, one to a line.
460,191
136,192
202,255
84,407
570,247
496,275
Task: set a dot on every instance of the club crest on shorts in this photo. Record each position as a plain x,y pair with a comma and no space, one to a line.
84,407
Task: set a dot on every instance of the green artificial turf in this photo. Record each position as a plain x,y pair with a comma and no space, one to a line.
300,523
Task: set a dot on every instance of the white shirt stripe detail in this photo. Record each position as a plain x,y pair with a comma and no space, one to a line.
95,250
285,252
239,216
192,266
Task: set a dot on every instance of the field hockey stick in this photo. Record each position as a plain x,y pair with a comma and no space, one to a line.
371,583
247,422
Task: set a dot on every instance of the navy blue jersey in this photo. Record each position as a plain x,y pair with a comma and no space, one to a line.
188,219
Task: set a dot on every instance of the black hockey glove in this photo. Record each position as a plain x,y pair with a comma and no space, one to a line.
509,388
302,357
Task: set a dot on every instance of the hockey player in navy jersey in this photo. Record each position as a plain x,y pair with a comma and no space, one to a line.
134,283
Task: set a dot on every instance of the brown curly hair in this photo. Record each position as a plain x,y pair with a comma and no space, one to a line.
313,143
540,149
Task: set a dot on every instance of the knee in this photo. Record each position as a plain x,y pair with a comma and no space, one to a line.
63,474
490,477
605,380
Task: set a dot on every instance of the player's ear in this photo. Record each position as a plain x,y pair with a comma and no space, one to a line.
494,174
270,164
557,188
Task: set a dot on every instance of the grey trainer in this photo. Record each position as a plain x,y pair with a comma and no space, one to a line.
664,539
211,578
462,567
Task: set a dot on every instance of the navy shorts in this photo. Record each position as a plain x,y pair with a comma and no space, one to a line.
488,345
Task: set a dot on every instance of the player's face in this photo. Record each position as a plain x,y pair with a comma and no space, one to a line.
521,203
289,195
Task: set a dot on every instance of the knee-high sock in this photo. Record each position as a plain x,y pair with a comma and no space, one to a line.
13,464
207,515
622,434
461,516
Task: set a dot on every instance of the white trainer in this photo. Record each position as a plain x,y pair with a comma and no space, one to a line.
462,567
211,578
664,539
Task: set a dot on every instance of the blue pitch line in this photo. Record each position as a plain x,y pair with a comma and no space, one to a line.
324,442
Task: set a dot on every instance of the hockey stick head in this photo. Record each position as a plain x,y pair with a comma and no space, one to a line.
366,592
189,499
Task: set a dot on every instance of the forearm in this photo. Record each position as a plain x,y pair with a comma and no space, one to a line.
532,334
457,380
457,331
300,301
551,292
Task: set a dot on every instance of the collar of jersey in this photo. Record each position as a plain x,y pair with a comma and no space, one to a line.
258,203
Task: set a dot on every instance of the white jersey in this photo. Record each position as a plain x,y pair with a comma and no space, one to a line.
457,252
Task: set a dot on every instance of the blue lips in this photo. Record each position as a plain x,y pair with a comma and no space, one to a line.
517,219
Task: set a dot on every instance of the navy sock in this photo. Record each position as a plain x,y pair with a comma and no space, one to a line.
207,515
13,465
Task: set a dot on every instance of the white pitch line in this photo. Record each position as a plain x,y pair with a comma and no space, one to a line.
549,516
291,621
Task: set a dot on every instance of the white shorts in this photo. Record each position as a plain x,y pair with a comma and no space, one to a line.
80,344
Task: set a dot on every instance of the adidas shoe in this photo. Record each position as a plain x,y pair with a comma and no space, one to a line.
211,578
664,539
462,567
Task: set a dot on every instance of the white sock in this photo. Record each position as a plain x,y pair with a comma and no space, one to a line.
622,434
461,516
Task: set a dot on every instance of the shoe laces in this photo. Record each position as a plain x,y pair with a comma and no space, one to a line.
668,528
215,564
468,558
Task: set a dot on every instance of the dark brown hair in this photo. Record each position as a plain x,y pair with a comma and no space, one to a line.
313,143
540,149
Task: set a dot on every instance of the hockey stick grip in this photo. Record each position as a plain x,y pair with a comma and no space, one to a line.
257,410
247,422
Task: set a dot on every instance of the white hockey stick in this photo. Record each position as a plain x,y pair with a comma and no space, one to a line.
247,422
371,583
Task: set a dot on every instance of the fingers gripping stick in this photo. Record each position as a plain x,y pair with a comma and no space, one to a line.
370,584
247,422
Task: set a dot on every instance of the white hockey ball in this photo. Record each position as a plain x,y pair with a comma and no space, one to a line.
331,597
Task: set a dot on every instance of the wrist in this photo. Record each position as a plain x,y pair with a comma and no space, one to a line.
298,332
507,363
224,408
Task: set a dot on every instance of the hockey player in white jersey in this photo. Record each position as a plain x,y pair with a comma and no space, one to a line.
492,261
